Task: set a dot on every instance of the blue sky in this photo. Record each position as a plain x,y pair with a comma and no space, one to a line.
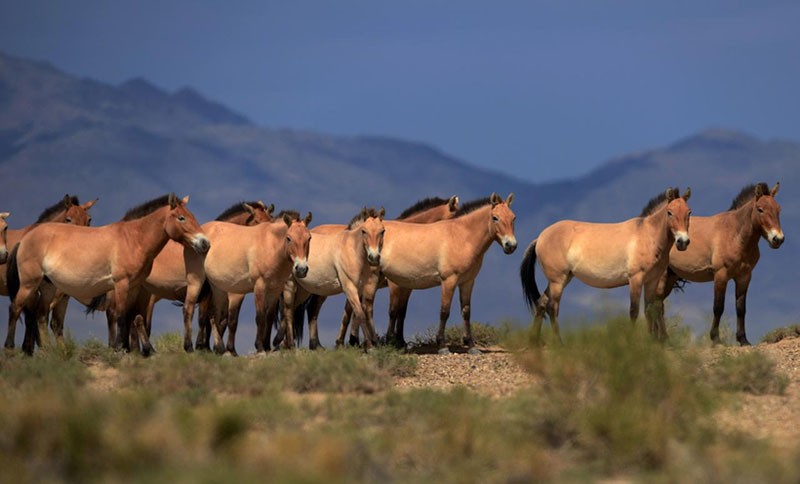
537,89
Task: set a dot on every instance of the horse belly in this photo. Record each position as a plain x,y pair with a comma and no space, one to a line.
606,274
81,281
413,279
321,280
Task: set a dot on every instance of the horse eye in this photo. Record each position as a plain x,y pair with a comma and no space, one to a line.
669,212
495,218
288,239
760,210
69,220
181,218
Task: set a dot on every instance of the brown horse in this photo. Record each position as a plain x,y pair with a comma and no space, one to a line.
258,259
448,253
3,237
116,256
341,261
725,246
167,278
606,255
68,210
425,211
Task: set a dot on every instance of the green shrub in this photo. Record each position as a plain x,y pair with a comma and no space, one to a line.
751,372
791,331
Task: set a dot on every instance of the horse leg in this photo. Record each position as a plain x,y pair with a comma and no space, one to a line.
720,285
654,309
259,294
152,299
40,310
635,282
398,304
141,335
351,291
465,297
24,294
742,284
58,311
220,309
205,312
315,305
121,308
555,290
448,288
234,305
346,315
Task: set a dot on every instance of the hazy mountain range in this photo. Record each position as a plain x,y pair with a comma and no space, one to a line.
132,142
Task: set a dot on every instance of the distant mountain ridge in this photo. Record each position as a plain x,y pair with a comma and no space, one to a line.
134,141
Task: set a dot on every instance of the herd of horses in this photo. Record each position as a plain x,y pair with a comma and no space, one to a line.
158,250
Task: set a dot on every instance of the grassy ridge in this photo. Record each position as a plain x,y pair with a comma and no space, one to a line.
610,403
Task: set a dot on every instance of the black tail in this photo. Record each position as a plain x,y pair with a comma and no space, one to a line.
299,319
96,303
526,275
12,274
680,283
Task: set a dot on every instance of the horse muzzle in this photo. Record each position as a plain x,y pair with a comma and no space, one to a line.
201,244
3,255
300,269
682,240
509,245
373,258
775,239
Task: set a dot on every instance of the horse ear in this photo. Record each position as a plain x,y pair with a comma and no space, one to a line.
307,220
287,219
382,213
452,204
173,200
510,199
248,208
494,199
67,200
687,194
774,190
759,190
88,205
269,209
4,215
185,200
670,194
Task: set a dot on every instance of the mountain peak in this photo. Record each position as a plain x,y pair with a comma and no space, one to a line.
142,88
716,138
189,98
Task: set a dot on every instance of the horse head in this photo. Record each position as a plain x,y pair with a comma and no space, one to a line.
77,214
767,213
298,241
502,224
181,225
678,213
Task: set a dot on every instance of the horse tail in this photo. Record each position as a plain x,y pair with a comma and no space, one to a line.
96,303
526,275
299,318
12,274
680,283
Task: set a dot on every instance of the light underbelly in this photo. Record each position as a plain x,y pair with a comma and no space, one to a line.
323,283
413,278
82,288
608,273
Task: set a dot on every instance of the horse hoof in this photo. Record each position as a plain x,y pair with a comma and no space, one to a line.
187,347
474,351
444,351
744,342
147,350
220,350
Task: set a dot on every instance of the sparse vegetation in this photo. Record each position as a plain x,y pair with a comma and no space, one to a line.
483,334
791,331
608,403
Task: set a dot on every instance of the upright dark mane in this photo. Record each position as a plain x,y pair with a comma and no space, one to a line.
471,206
656,202
146,208
57,207
748,193
234,210
293,214
422,205
362,216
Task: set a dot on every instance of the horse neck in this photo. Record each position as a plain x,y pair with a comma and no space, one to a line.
149,232
428,216
745,228
657,223
238,219
477,226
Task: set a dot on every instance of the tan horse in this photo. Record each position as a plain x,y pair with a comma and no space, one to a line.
448,253
4,237
68,210
341,261
167,278
257,259
425,211
725,246
87,263
606,255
